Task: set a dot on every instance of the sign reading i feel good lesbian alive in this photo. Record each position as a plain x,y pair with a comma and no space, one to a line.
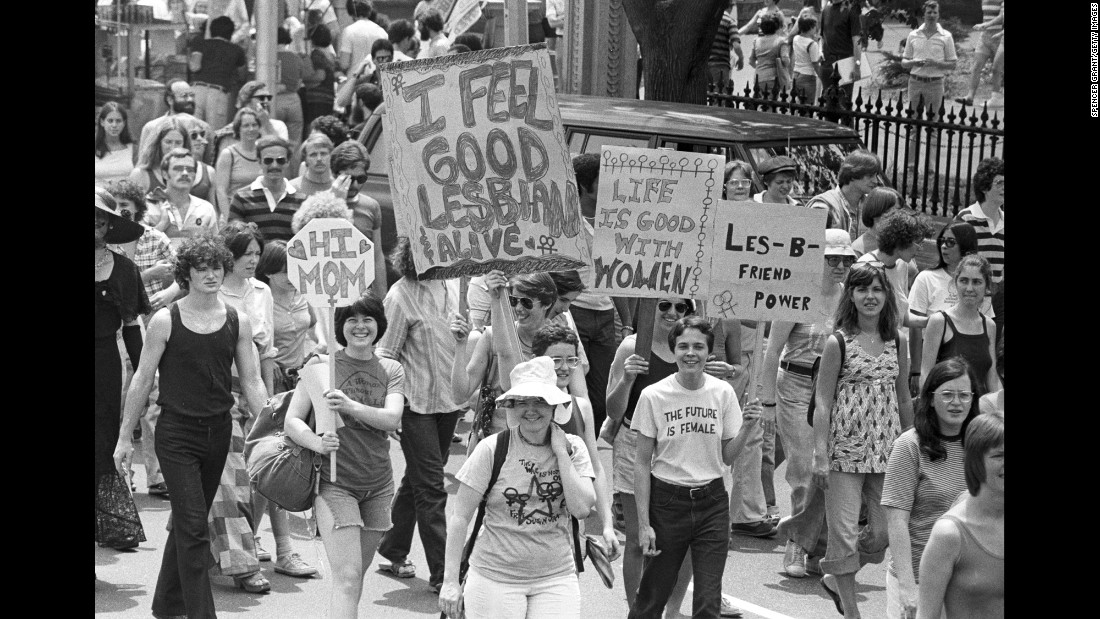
654,222
767,262
480,173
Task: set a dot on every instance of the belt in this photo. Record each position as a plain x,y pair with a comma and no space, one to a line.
690,492
926,79
795,368
209,85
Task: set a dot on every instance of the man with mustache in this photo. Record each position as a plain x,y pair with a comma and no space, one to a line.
270,201
180,99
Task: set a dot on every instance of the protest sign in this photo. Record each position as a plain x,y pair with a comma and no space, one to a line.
654,222
331,263
464,14
480,173
767,261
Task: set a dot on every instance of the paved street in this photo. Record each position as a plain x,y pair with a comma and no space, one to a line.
125,581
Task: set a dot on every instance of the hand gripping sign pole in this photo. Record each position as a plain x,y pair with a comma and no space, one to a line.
330,263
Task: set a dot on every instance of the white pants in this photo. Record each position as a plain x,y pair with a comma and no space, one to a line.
557,597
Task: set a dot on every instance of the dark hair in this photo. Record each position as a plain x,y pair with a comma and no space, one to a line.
846,317
380,44
125,190
331,126
965,235
237,236
367,305
248,91
567,281
925,420
359,8
432,19
282,36
320,37
222,27
348,155
878,201
552,333
587,169
985,433
856,165
736,164
1001,357
101,135
271,141
471,40
698,323
539,286
197,251
983,176
369,94
400,30
401,258
770,24
238,118
900,229
153,153
458,48
272,260
175,153
928,4
806,24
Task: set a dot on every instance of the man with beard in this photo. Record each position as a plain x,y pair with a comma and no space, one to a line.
431,30
270,201
180,99
216,66
349,163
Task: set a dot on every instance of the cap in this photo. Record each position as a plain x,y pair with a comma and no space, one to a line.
777,164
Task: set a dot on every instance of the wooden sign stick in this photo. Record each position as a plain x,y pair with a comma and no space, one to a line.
757,361
643,316
332,377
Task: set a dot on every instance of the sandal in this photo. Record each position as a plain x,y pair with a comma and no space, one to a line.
401,569
253,583
834,595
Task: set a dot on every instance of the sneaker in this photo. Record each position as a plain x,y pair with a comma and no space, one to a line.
292,565
794,560
996,100
753,529
262,554
728,609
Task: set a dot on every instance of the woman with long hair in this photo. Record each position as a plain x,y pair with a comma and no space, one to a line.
114,148
147,174
238,164
925,476
934,289
963,566
203,187
862,405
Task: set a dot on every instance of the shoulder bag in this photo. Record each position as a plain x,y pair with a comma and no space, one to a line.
281,470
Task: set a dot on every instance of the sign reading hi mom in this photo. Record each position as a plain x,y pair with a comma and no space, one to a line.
480,173
654,222
330,262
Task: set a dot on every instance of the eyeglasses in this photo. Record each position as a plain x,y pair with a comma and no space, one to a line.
526,302
198,135
947,396
948,243
514,402
834,261
271,160
739,183
263,97
680,307
570,362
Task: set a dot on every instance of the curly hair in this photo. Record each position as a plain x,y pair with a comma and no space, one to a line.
101,134
846,316
538,286
402,259
587,169
471,40
200,251
987,170
367,305
925,421
323,204
153,154
331,126
550,334
900,229
238,235
770,24
125,190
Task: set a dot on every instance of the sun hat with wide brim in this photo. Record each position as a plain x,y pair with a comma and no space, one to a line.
536,379
839,243
119,229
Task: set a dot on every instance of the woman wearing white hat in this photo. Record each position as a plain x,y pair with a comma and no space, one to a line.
545,479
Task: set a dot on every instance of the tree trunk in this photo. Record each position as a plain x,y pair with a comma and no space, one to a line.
676,36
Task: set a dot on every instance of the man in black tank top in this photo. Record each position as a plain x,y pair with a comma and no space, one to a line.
194,343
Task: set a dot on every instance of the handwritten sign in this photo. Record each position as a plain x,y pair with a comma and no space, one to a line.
654,222
480,173
767,261
330,260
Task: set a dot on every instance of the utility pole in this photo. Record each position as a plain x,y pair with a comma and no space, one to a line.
267,25
515,23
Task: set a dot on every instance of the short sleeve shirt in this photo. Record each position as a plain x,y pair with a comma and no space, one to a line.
839,23
220,60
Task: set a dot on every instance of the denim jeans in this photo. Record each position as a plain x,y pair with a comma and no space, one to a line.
806,524
192,453
700,525
849,547
596,330
421,499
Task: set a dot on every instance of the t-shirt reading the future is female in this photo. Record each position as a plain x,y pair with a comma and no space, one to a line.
689,425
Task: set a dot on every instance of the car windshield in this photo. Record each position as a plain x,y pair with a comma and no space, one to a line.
818,165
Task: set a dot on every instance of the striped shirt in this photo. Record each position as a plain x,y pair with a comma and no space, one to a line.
272,215
924,488
991,239
418,336
991,9
725,39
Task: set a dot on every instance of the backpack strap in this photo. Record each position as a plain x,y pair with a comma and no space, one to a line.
500,453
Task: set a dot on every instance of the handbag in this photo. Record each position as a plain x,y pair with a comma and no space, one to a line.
597,554
486,402
281,470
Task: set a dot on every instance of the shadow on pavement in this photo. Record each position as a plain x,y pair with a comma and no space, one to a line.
117,597
417,597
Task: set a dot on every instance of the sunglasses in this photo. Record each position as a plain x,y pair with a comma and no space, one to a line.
834,261
947,396
680,307
263,97
271,160
569,362
877,265
527,303
381,59
198,135
948,243
359,179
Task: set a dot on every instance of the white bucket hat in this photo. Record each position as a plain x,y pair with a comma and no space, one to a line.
839,243
536,379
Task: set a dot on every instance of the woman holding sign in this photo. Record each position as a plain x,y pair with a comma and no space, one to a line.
354,511
862,405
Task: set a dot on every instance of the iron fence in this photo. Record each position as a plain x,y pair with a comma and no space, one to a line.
929,156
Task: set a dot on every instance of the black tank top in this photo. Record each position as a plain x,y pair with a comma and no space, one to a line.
573,426
973,348
658,369
195,368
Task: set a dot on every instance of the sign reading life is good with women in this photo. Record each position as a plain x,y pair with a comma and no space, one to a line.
767,262
480,172
654,222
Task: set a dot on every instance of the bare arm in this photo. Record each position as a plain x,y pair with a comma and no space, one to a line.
625,308
295,425
248,367
827,377
732,447
933,334
387,418
937,566
621,378
156,337
462,507
223,168
643,467
781,332
897,522
195,62
603,486
461,390
992,381
580,495
901,385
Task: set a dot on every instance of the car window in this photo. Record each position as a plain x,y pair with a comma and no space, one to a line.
587,142
688,147
818,165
